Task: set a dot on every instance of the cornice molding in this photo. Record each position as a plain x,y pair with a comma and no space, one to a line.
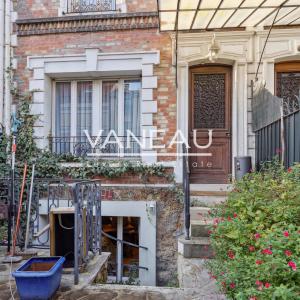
87,23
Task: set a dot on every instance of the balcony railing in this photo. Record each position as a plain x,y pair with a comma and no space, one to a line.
80,146
86,6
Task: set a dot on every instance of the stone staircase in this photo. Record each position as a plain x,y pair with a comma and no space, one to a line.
194,252
203,198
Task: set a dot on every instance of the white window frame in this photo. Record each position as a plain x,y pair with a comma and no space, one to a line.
96,105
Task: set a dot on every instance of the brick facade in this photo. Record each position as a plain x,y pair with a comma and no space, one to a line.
66,35
42,32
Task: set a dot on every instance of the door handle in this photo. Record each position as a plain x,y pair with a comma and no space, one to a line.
228,134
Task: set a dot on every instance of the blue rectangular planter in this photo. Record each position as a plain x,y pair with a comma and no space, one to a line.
39,277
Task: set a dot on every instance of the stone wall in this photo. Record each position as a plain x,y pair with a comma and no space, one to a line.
169,225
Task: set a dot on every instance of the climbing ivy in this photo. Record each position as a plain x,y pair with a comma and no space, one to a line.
51,165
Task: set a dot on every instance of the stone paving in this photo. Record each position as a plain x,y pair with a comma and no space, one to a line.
196,285
118,292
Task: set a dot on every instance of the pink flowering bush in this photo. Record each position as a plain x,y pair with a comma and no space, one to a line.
256,237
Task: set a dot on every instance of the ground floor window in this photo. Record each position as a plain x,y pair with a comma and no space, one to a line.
95,106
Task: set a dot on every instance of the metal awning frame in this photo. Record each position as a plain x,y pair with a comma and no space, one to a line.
234,10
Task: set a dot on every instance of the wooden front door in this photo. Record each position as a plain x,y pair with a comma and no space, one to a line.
210,109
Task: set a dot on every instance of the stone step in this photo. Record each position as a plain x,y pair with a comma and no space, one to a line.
200,213
208,201
200,228
211,187
209,193
195,248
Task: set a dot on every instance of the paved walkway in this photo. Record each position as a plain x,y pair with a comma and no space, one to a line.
117,292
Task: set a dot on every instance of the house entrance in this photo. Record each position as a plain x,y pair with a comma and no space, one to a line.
210,109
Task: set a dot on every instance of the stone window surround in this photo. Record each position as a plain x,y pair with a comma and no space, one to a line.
92,64
62,11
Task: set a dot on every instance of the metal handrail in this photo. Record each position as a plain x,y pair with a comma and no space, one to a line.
129,244
122,241
186,191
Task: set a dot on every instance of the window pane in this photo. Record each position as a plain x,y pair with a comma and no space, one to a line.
132,113
132,99
109,106
62,117
84,107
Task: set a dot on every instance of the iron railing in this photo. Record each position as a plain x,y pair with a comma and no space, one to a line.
84,196
269,143
87,6
186,191
87,222
124,146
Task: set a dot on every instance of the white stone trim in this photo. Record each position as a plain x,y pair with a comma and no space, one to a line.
242,50
94,65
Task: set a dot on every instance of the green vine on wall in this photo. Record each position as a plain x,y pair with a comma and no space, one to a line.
52,165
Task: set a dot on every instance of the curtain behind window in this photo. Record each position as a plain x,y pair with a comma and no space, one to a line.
63,117
84,108
110,106
132,107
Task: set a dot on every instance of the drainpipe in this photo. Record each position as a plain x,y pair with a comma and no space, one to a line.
7,66
1,60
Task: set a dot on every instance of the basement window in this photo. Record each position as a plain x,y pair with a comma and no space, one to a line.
123,264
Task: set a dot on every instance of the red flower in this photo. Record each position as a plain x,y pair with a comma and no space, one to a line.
235,215
286,233
267,251
259,262
259,283
251,248
209,232
230,254
232,285
252,298
216,221
229,219
292,265
290,170
267,285
223,283
257,236
288,252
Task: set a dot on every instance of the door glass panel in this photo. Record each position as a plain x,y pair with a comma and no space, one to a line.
209,101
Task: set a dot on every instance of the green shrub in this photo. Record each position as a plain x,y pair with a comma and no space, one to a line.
256,237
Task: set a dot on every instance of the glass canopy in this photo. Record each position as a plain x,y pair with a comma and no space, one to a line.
222,14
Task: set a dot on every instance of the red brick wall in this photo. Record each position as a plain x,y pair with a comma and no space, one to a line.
128,41
28,9
141,5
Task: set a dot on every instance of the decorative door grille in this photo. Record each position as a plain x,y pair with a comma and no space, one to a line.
288,88
209,101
